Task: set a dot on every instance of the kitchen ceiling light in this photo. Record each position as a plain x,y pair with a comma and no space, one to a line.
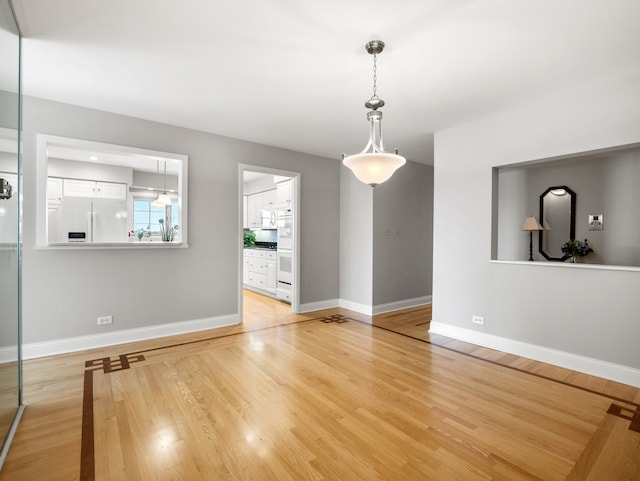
163,198
373,165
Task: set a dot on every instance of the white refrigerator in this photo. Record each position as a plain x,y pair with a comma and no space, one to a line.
81,219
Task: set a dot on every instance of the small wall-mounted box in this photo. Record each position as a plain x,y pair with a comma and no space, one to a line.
596,221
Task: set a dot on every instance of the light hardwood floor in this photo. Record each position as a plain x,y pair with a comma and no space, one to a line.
330,395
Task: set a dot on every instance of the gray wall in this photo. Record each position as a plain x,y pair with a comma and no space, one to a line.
356,242
587,311
65,290
403,235
386,238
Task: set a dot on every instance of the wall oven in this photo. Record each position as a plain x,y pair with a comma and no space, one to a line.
285,229
284,263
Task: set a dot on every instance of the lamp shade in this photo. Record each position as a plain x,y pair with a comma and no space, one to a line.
163,199
531,224
374,168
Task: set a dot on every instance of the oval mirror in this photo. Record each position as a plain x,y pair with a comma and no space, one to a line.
558,218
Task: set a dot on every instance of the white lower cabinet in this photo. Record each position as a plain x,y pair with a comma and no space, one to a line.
270,275
259,270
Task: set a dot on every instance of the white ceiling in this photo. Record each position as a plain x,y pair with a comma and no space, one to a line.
295,74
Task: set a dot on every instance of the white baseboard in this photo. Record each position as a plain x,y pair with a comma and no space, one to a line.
8,354
357,307
318,306
388,307
576,362
73,344
403,304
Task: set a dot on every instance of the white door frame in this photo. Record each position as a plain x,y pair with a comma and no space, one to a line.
295,293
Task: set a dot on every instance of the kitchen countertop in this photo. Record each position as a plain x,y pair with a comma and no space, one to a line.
260,248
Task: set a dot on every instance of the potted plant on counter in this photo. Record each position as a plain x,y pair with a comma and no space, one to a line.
576,249
249,238
166,231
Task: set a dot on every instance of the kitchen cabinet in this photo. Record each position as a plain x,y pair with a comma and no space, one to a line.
254,211
93,189
259,270
245,211
284,193
268,199
256,204
245,268
271,281
54,188
111,190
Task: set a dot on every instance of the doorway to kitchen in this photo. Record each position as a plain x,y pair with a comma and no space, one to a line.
269,250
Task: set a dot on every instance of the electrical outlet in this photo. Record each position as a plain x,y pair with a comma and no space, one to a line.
477,320
102,320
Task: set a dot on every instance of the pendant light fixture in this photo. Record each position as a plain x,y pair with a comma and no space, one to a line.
373,165
155,202
163,198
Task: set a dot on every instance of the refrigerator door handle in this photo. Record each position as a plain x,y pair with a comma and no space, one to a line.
90,221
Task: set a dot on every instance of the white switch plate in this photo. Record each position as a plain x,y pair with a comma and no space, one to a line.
477,320
102,320
596,221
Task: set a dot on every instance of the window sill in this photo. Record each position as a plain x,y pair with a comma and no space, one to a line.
114,245
569,265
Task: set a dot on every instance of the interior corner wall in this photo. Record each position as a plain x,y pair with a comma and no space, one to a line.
403,235
64,291
512,242
356,243
590,312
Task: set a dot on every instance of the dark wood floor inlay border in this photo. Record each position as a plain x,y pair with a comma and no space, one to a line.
628,414
339,318
87,447
108,365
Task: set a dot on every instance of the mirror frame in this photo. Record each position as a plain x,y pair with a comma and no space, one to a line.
572,222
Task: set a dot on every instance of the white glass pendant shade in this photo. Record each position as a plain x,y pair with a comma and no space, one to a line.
163,199
374,168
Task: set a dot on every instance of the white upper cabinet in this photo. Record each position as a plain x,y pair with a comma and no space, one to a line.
268,199
78,188
256,204
54,188
245,211
111,190
89,188
254,210
283,192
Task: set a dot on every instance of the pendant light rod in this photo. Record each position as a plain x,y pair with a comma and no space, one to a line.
164,198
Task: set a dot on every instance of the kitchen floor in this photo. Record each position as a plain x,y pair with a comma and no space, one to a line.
262,311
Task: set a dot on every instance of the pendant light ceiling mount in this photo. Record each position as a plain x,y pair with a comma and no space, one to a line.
373,165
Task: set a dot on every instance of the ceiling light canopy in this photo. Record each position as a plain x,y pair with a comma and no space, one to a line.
373,165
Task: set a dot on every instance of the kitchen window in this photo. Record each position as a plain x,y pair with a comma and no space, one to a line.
146,217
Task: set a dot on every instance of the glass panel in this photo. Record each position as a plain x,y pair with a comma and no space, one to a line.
10,201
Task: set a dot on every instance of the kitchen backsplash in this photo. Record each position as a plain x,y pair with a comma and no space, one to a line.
265,235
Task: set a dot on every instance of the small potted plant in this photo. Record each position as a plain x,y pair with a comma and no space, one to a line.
249,238
576,249
166,231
